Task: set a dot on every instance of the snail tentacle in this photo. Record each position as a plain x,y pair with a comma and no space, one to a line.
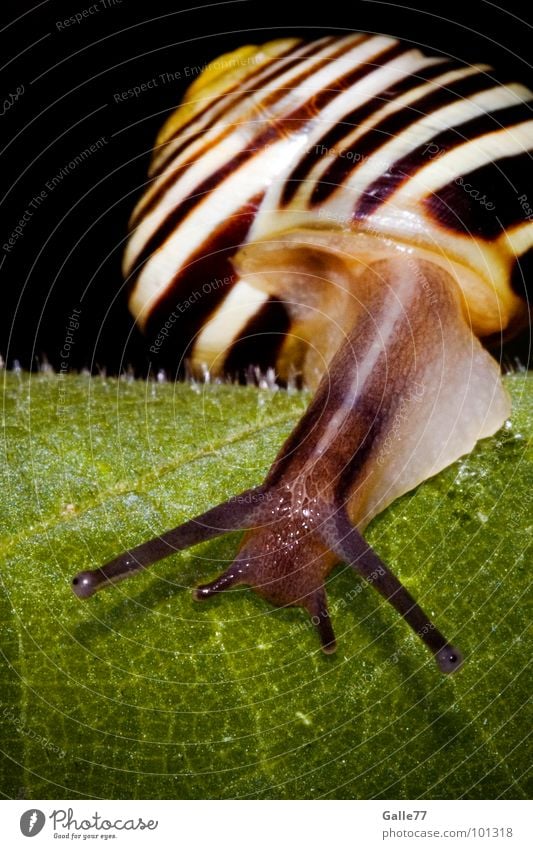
351,547
317,606
230,578
235,514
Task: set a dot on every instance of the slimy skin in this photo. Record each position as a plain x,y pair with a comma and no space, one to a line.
374,274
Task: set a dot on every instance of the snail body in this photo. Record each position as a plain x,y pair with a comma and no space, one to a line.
344,209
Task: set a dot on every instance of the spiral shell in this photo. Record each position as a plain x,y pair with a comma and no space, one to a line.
356,135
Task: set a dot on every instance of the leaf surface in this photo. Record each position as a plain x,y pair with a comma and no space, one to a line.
140,692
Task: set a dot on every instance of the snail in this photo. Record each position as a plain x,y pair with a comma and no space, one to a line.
351,210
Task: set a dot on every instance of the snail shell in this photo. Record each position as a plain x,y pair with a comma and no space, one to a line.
358,135
347,209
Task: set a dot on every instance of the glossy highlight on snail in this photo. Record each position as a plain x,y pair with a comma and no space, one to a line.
359,200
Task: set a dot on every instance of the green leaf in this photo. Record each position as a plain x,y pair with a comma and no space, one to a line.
141,692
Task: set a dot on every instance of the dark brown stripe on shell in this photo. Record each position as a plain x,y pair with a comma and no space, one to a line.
334,136
522,277
269,102
260,340
310,51
182,209
393,125
278,128
486,201
197,289
399,173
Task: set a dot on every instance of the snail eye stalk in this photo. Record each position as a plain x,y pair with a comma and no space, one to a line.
235,514
350,546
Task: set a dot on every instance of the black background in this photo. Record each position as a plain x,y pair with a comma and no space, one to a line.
70,251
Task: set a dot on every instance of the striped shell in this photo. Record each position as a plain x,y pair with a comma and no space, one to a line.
360,139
